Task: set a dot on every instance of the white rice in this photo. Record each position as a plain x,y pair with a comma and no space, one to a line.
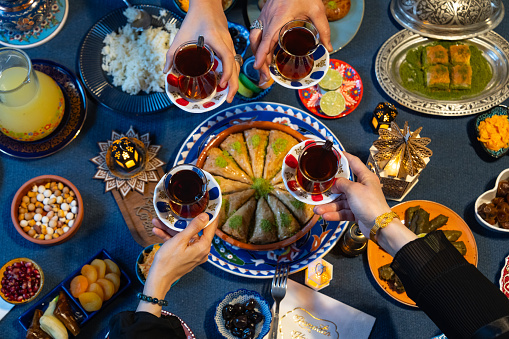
136,60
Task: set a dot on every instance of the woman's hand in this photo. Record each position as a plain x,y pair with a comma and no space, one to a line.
176,257
275,14
206,17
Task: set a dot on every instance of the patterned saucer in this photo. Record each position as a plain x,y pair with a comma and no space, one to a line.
197,106
351,89
504,278
321,65
42,32
290,169
162,207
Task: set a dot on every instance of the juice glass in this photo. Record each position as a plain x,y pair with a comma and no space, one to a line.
298,39
186,187
31,103
317,167
194,67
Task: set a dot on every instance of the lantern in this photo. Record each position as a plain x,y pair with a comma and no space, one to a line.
318,274
126,157
383,115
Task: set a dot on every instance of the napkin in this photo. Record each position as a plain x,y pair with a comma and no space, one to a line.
305,313
5,307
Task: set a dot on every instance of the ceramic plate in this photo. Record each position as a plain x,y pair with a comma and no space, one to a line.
43,32
342,31
215,100
486,197
393,52
99,84
321,65
378,257
351,89
162,207
72,121
290,171
504,278
498,110
261,264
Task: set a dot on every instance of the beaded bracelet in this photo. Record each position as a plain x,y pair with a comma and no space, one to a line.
146,298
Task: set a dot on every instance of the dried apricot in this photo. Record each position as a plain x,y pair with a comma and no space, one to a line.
108,288
111,267
90,272
79,284
90,301
97,289
101,267
115,279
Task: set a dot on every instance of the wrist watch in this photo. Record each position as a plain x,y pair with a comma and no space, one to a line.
381,222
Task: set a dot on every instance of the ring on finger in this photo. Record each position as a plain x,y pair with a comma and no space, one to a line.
239,59
256,24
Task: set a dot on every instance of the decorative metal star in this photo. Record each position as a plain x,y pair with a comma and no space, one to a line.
124,186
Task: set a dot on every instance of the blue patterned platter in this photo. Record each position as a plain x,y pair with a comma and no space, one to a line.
42,32
321,65
72,121
261,264
162,207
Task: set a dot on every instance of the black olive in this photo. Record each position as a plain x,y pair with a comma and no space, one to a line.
237,332
238,309
228,312
255,317
240,321
229,324
248,333
251,304
233,32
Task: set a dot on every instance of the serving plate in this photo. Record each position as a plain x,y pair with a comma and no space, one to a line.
378,257
99,84
486,197
261,264
390,56
501,110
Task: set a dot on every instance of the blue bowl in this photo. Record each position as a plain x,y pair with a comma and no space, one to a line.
254,76
497,110
146,250
242,296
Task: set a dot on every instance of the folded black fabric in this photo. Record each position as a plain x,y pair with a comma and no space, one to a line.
142,325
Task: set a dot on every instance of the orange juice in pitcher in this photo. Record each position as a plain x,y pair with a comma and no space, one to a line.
31,103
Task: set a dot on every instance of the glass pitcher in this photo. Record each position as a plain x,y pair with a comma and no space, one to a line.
31,103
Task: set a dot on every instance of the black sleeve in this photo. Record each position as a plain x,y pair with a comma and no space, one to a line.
453,293
142,325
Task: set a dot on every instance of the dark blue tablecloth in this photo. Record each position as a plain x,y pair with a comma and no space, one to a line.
457,173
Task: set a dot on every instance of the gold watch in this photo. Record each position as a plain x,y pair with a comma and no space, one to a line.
381,222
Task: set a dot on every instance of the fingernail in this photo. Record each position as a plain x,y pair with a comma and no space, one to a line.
263,79
203,217
317,210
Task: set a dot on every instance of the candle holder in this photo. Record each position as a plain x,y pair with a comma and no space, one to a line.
318,274
383,115
126,157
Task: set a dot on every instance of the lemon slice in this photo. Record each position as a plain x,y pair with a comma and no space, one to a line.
331,81
243,90
332,103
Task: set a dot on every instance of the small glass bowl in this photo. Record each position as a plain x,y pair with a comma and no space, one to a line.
36,266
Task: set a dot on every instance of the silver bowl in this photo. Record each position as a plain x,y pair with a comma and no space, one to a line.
448,19
22,15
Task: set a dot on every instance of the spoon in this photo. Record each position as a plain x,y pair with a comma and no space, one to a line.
144,21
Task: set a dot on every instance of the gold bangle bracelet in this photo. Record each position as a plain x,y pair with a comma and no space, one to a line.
381,222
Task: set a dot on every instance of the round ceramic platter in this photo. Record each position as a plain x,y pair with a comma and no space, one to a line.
290,171
163,210
342,31
320,67
261,264
504,278
215,100
43,32
99,84
495,49
72,121
377,257
351,89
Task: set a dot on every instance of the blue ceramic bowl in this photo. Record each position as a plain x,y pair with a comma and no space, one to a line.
242,296
254,76
497,110
146,250
183,13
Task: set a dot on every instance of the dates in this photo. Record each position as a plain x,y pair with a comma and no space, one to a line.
241,318
497,211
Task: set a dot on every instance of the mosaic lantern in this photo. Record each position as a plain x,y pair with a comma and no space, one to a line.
126,157
383,115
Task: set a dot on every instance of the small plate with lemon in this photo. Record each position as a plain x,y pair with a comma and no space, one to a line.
337,94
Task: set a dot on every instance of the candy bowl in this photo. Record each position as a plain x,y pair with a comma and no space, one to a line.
22,281
240,311
501,111
47,210
487,198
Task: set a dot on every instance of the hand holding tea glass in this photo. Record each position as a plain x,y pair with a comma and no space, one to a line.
214,27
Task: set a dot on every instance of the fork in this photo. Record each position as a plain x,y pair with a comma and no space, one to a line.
278,291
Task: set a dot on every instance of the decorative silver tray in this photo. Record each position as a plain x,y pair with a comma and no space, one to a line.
448,19
495,49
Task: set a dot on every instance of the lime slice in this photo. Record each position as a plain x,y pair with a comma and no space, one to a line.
244,91
249,84
331,81
332,103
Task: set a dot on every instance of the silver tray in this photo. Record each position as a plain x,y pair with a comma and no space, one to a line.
495,49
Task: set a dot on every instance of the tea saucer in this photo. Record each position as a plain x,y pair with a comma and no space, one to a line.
290,171
42,32
74,116
197,106
351,89
321,65
163,211
504,278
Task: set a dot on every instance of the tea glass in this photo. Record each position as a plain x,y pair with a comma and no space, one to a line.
329,168
186,187
298,40
194,66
